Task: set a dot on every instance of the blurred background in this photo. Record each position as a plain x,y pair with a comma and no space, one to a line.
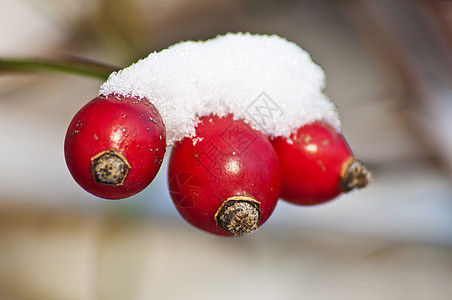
389,70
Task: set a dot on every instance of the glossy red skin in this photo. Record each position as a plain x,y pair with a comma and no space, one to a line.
311,166
121,123
232,159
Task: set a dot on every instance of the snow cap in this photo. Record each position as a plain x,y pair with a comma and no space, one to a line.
266,80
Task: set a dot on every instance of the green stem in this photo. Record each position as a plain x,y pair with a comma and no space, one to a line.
73,65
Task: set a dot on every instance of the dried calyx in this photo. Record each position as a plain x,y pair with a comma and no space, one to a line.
109,167
354,175
239,215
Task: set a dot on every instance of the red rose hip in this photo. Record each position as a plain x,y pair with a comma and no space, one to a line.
115,145
226,180
317,165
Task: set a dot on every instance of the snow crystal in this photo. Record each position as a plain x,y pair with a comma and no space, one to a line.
266,80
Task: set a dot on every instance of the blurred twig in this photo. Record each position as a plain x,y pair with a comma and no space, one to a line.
413,44
72,65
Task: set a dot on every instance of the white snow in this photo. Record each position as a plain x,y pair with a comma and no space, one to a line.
266,80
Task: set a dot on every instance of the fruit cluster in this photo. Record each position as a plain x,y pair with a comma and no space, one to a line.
225,180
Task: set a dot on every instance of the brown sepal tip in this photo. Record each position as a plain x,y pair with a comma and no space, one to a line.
109,167
239,215
354,175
